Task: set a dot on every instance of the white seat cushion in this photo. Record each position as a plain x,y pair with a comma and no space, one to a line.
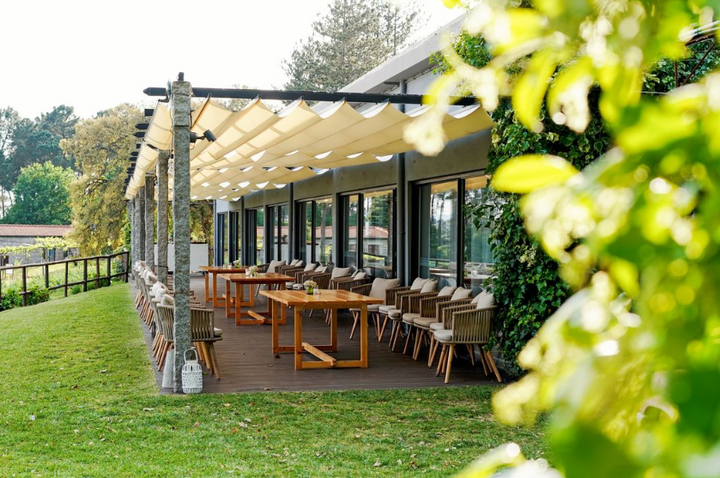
425,321
309,268
461,293
395,314
483,300
380,287
446,291
168,300
370,308
437,326
418,283
384,309
340,272
272,267
298,287
443,335
429,286
409,317
321,269
218,332
359,275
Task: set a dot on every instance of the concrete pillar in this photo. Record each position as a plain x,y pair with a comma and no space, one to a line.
180,107
402,247
150,219
131,220
140,222
162,216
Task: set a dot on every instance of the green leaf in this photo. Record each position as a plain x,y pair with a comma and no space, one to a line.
525,174
626,276
451,3
530,89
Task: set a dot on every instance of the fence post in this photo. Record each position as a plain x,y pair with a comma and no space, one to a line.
47,276
85,280
24,283
67,271
109,270
97,272
126,255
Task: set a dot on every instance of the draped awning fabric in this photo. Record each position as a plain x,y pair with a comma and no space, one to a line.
257,148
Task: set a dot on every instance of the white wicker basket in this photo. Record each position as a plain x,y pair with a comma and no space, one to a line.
192,375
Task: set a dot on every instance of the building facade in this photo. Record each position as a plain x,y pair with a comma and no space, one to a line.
14,235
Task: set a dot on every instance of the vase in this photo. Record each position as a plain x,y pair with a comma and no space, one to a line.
309,290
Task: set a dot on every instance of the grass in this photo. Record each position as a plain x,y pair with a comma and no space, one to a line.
78,398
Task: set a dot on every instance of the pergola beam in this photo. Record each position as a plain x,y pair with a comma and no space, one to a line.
292,95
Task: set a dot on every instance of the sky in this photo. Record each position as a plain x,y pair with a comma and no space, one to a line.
93,55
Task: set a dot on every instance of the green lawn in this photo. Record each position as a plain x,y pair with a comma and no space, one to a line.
78,398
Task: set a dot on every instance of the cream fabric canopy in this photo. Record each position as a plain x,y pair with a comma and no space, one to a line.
257,148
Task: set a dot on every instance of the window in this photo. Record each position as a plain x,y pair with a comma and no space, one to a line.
226,238
278,235
478,257
323,231
350,250
236,235
438,235
259,236
377,239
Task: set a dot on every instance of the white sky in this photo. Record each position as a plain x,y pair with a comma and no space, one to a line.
93,55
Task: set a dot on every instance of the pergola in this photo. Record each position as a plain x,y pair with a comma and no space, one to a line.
215,153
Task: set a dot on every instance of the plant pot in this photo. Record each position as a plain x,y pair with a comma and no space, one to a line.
309,291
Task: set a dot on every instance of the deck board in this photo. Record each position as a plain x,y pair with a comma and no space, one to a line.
247,363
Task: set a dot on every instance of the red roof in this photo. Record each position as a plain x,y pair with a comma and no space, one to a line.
32,230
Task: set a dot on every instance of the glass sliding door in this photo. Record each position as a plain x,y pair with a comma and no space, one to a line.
304,215
323,231
226,238
283,233
477,257
438,234
377,233
350,214
259,236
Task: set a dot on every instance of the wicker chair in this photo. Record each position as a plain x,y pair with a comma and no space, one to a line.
469,327
203,335
403,306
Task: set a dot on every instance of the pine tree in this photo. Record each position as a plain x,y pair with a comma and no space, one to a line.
351,39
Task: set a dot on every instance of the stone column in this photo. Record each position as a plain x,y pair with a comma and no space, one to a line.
162,216
180,107
140,223
150,220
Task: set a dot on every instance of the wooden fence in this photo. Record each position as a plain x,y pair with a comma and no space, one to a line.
66,285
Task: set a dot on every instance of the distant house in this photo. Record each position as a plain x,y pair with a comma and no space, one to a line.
25,234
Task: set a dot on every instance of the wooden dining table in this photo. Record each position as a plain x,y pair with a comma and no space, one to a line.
327,299
238,302
211,275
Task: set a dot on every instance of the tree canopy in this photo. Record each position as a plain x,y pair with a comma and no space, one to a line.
101,147
352,38
42,196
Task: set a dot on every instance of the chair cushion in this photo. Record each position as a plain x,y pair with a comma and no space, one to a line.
340,272
418,283
298,287
218,332
373,307
168,300
321,269
384,309
410,317
360,275
274,265
437,326
309,268
294,262
443,335
484,299
429,286
446,291
380,287
424,321
461,293
395,314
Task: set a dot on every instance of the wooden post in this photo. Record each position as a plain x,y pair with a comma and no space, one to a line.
109,270
47,276
67,274
97,272
24,283
85,280
150,220
162,215
127,265
181,115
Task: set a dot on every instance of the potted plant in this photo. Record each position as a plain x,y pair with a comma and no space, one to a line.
237,264
252,271
310,286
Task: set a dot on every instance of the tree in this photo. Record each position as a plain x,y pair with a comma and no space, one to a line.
628,365
42,196
101,147
9,119
351,39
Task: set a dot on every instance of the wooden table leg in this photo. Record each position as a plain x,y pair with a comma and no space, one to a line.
227,296
238,302
275,338
298,339
363,336
214,293
333,329
207,288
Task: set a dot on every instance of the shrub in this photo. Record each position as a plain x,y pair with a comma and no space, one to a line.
76,289
10,299
37,295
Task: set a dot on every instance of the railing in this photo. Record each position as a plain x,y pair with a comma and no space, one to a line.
45,266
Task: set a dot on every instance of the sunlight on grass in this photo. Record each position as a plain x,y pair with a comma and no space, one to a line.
79,399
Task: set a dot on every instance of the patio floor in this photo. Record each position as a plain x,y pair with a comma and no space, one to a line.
247,363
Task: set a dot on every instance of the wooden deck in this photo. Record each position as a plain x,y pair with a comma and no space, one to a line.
248,364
